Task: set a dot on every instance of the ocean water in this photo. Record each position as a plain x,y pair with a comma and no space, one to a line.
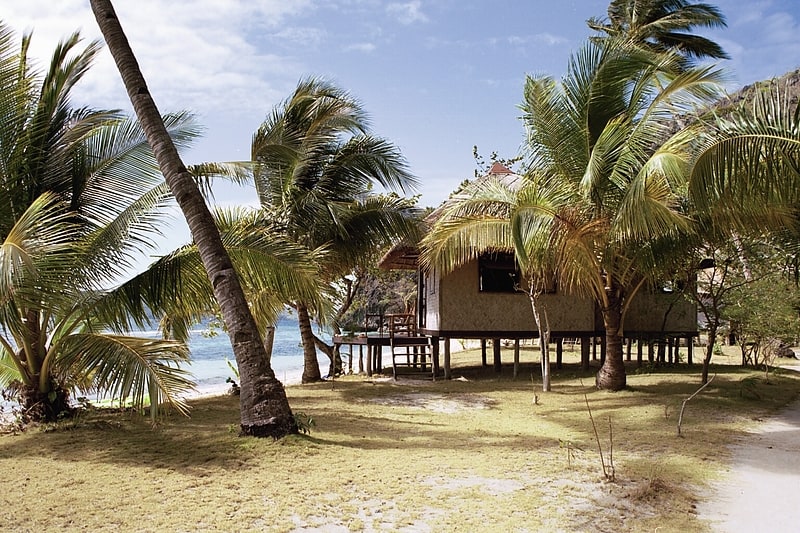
210,356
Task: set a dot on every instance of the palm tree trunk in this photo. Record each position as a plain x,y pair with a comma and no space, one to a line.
612,374
332,351
544,339
264,407
311,373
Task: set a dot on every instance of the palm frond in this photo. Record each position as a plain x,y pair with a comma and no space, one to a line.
238,172
35,254
134,369
747,172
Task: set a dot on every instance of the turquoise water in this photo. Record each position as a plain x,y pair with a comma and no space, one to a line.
210,355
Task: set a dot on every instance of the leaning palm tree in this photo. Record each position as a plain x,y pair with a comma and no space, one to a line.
315,168
264,407
663,25
272,270
79,192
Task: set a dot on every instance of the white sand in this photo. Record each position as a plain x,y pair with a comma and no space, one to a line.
758,493
217,388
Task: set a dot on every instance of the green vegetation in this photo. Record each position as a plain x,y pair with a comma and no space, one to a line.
315,167
600,210
452,455
80,198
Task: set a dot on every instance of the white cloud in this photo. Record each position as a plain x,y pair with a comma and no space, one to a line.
547,39
761,39
300,36
360,47
408,12
198,55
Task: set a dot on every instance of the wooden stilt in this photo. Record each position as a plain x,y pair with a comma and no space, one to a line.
559,352
585,352
435,356
639,351
498,365
447,374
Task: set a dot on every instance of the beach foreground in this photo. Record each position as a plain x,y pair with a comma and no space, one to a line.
481,452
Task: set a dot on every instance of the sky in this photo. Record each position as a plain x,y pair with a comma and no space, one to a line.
436,77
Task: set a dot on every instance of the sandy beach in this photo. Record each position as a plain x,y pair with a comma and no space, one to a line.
757,492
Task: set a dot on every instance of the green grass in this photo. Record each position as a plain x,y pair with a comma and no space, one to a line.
465,455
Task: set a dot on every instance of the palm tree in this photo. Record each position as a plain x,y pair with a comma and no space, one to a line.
663,25
272,271
745,180
315,168
79,192
264,407
606,179
605,136
493,214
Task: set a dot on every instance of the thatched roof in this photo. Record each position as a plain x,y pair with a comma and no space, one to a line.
400,257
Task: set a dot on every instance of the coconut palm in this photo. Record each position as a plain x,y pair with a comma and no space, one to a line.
264,407
493,214
79,194
745,180
315,168
606,181
272,270
663,25
746,176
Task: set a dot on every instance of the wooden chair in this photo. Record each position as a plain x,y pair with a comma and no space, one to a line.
410,350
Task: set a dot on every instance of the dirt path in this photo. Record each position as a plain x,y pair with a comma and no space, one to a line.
759,492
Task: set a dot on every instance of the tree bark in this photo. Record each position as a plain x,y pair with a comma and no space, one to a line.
612,374
333,352
264,407
311,373
712,339
543,324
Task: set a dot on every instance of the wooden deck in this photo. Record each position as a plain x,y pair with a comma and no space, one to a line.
409,349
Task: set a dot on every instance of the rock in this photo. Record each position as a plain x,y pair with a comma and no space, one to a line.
785,350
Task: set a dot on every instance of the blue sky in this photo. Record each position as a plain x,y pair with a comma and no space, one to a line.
436,76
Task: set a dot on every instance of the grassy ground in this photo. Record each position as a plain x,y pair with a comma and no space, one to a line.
482,453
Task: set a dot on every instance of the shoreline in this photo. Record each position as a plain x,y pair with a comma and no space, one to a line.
206,390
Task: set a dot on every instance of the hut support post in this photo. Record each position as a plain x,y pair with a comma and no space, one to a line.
498,367
447,374
639,351
435,356
559,352
585,353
